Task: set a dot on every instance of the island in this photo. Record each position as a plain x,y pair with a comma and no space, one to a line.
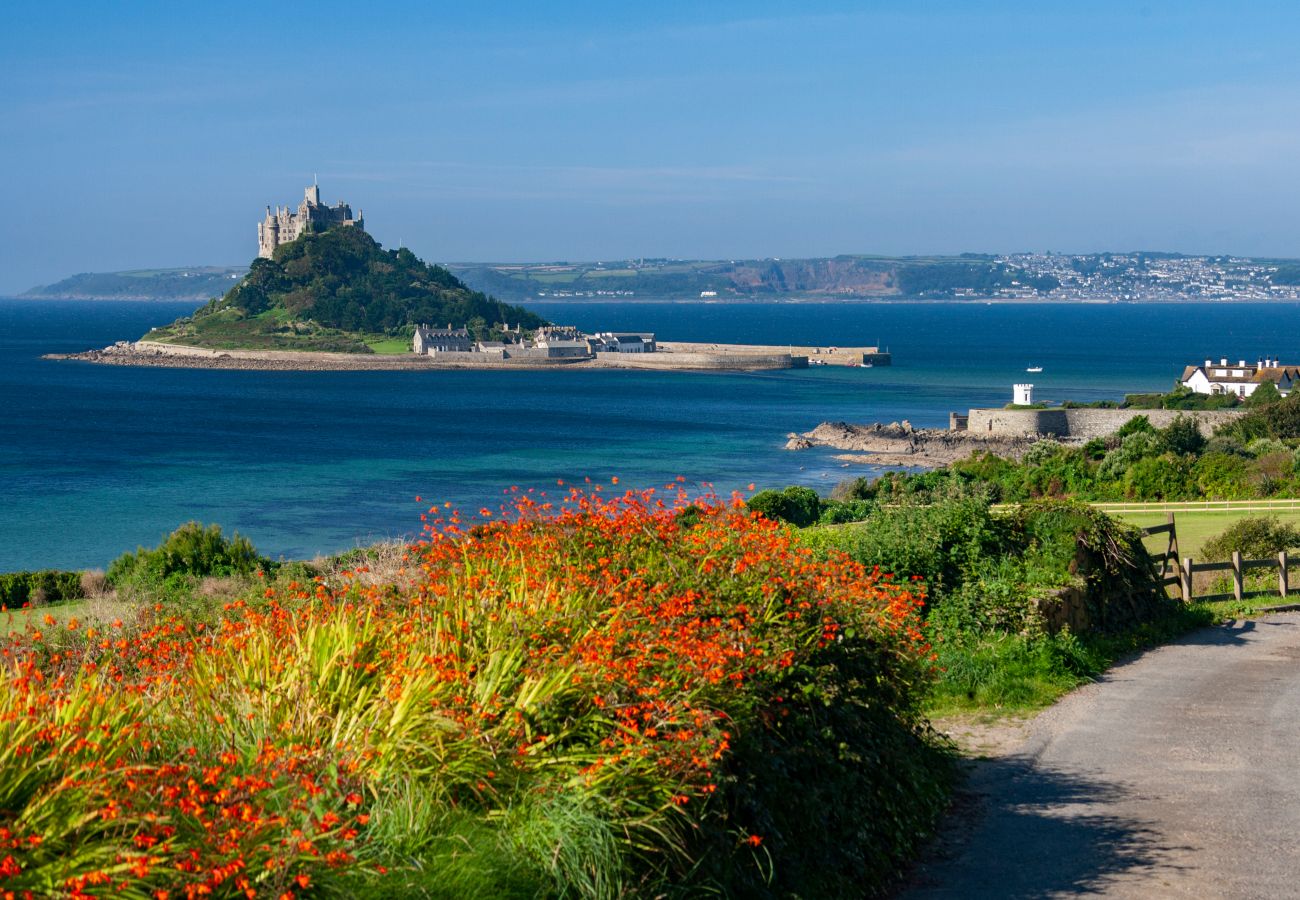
323,294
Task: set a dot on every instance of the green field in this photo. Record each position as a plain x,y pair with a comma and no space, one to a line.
1198,522
17,619
389,346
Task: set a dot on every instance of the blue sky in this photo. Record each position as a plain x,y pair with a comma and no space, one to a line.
153,134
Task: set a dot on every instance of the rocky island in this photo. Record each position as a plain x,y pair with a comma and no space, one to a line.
323,294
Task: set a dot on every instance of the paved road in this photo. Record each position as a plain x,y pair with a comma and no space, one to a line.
1178,775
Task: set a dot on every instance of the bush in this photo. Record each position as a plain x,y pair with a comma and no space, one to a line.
841,513
1222,475
1183,436
798,505
859,488
1043,452
1136,445
1263,395
1165,477
1266,446
191,550
1254,537
1136,425
18,589
935,541
1279,420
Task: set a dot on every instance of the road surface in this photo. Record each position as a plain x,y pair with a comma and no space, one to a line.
1176,775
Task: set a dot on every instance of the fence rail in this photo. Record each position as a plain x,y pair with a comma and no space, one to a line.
1201,506
1184,568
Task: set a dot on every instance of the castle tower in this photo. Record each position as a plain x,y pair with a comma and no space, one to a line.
286,225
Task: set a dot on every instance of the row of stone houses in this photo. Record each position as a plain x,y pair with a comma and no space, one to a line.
548,342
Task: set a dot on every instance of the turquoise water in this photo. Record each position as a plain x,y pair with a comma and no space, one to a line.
98,459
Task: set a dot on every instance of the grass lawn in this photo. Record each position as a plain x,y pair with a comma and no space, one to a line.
390,346
17,619
1195,527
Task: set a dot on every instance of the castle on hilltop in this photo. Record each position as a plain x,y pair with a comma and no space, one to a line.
285,225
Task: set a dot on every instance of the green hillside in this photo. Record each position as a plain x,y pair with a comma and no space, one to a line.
193,283
931,277
338,290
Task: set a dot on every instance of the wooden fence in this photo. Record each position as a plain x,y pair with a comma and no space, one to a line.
1169,569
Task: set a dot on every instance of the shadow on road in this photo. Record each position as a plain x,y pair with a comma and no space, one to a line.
1020,832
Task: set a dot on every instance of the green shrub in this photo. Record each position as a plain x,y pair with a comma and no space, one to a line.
1222,475
1043,452
859,488
1183,436
1265,446
17,589
1136,425
798,505
191,550
1165,477
1135,445
934,541
839,763
1279,420
1255,537
1263,395
840,513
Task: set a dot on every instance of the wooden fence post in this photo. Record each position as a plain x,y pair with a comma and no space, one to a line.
1186,578
1173,538
1283,577
1236,575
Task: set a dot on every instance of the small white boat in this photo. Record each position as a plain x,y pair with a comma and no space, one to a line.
864,365
1034,369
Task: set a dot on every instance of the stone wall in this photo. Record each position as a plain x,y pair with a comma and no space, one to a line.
707,361
1082,424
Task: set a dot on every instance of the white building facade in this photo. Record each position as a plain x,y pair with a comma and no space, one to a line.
1239,378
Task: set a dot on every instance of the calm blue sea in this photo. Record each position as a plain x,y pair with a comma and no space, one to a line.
95,460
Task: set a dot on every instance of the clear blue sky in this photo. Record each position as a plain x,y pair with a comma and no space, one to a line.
153,134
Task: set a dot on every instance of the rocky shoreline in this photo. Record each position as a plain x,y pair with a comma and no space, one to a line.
900,444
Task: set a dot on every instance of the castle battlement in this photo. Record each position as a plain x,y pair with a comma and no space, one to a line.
285,225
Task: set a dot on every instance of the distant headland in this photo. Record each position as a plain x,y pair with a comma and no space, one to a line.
1133,277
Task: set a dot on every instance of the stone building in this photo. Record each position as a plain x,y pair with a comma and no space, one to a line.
285,225
430,340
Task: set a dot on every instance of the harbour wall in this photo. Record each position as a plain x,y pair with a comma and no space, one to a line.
714,361
1081,424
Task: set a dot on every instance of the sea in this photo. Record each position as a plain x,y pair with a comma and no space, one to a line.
96,460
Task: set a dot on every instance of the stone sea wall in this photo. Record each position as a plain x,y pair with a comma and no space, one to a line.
1082,424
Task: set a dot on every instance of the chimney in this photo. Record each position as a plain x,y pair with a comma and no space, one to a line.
1208,363
1223,360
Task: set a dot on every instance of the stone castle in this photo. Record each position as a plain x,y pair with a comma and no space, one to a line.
285,225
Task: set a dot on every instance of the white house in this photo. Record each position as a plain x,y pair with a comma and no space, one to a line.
1239,378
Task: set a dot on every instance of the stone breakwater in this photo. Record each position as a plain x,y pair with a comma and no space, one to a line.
899,444
155,353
